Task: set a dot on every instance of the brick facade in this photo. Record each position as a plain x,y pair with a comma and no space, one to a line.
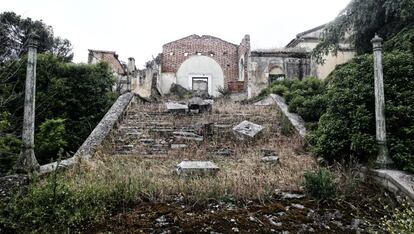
109,57
226,54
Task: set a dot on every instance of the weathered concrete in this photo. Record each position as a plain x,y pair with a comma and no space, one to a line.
399,182
175,107
97,136
270,159
197,104
383,160
295,119
27,160
188,136
199,168
247,129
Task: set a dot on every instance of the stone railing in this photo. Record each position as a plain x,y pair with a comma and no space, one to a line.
296,121
398,182
97,137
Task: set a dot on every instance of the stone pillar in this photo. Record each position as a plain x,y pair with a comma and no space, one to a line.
383,159
130,70
27,161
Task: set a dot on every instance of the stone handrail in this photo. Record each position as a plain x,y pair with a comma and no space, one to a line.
97,136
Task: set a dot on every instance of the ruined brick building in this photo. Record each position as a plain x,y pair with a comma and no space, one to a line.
205,64
209,64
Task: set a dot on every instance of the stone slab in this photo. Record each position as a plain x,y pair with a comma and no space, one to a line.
187,136
178,146
198,168
175,107
247,129
270,159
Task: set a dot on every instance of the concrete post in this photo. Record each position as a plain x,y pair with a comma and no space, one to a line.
27,161
383,159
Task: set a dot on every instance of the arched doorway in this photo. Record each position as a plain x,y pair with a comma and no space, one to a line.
201,74
276,73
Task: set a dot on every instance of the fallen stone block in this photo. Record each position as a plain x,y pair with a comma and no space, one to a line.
269,152
197,168
247,130
270,159
199,105
174,107
178,146
189,136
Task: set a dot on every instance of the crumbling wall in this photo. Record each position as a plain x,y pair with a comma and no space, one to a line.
295,65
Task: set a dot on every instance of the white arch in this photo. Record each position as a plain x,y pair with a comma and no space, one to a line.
201,66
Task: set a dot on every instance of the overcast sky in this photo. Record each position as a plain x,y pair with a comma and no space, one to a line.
138,29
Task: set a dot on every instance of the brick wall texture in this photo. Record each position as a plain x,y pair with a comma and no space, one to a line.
226,54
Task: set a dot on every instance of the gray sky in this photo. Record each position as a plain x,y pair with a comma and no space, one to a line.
139,28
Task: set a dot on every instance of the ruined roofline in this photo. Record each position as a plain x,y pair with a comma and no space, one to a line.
310,31
300,37
102,51
203,37
289,52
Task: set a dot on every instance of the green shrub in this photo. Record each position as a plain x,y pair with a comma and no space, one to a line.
320,184
53,206
50,138
278,89
303,97
347,129
400,221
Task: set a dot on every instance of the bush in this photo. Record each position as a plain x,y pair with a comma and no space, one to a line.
303,97
53,206
347,129
50,139
79,93
320,184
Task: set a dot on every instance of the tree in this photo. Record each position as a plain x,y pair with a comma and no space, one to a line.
361,19
78,93
347,128
14,32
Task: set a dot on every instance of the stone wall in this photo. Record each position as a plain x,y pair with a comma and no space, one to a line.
293,64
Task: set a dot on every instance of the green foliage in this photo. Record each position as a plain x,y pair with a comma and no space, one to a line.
53,206
303,97
320,184
348,126
50,138
9,144
403,41
361,19
400,221
79,93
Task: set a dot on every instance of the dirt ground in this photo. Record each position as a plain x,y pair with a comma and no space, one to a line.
358,213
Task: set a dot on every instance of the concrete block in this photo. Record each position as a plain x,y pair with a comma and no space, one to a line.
188,136
175,107
197,168
247,130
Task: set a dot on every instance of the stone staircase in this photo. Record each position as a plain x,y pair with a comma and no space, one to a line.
149,130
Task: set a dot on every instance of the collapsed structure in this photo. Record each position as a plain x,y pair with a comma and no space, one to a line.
210,65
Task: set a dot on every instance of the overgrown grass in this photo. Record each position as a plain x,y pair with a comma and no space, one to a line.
92,190
320,184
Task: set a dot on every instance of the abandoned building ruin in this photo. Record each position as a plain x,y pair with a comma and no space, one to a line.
210,65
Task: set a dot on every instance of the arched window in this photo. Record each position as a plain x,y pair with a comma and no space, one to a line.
276,73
